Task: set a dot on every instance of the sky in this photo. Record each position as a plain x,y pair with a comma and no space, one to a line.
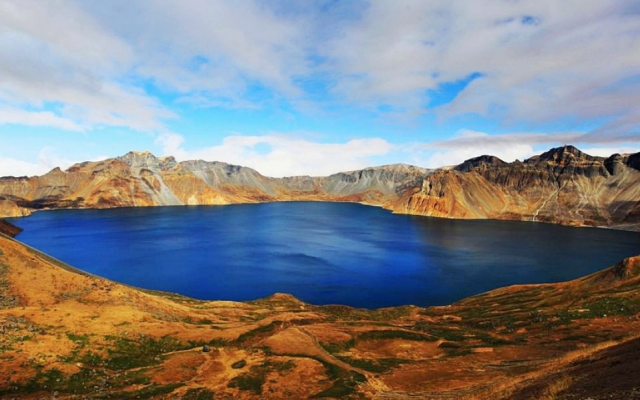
291,87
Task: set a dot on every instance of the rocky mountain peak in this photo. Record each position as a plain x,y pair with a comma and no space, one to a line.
482,161
614,164
55,171
564,155
145,159
633,161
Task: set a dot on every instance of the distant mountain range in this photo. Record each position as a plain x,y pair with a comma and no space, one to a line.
563,185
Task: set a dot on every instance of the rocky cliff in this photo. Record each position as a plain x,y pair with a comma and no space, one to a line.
9,229
141,179
563,185
9,208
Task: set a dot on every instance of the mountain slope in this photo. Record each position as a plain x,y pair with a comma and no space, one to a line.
563,185
67,334
141,179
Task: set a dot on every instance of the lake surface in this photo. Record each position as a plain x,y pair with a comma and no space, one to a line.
323,253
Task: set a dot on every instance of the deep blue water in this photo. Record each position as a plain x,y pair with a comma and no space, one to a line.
322,253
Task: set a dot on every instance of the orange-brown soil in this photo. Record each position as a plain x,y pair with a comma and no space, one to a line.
70,335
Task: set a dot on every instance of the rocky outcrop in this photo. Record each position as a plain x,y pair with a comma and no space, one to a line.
9,208
140,179
562,185
9,229
479,162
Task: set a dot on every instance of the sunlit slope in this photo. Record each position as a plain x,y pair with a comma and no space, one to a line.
563,185
74,334
141,179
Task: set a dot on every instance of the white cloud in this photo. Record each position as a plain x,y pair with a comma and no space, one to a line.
37,118
57,54
48,159
540,61
80,65
512,146
211,49
456,154
12,167
472,139
92,60
608,151
278,155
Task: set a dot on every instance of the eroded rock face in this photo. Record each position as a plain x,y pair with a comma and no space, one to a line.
141,179
479,162
563,185
9,208
9,229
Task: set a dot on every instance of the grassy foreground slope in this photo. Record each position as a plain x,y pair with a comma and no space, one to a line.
68,334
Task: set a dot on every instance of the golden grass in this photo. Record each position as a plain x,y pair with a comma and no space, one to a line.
505,388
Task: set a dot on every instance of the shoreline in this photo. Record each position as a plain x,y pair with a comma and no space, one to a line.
626,227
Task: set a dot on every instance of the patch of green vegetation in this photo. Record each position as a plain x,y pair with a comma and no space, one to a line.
473,313
602,307
581,338
492,340
78,338
88,380
51,380
218,343
360,314
458,352
259,332
344,381
90,358
282,366
253,380
128,353
291,304
452,335
395,334
70,295
23,338
82,382
338,347
7,300
561,317
610,307
198,394
146,392
137,377
191,321
379,366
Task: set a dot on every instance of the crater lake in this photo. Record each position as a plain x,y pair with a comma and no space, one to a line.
322,253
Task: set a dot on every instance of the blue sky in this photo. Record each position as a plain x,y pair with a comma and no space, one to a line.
315,87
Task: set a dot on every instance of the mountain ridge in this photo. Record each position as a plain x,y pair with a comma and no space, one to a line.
562,185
